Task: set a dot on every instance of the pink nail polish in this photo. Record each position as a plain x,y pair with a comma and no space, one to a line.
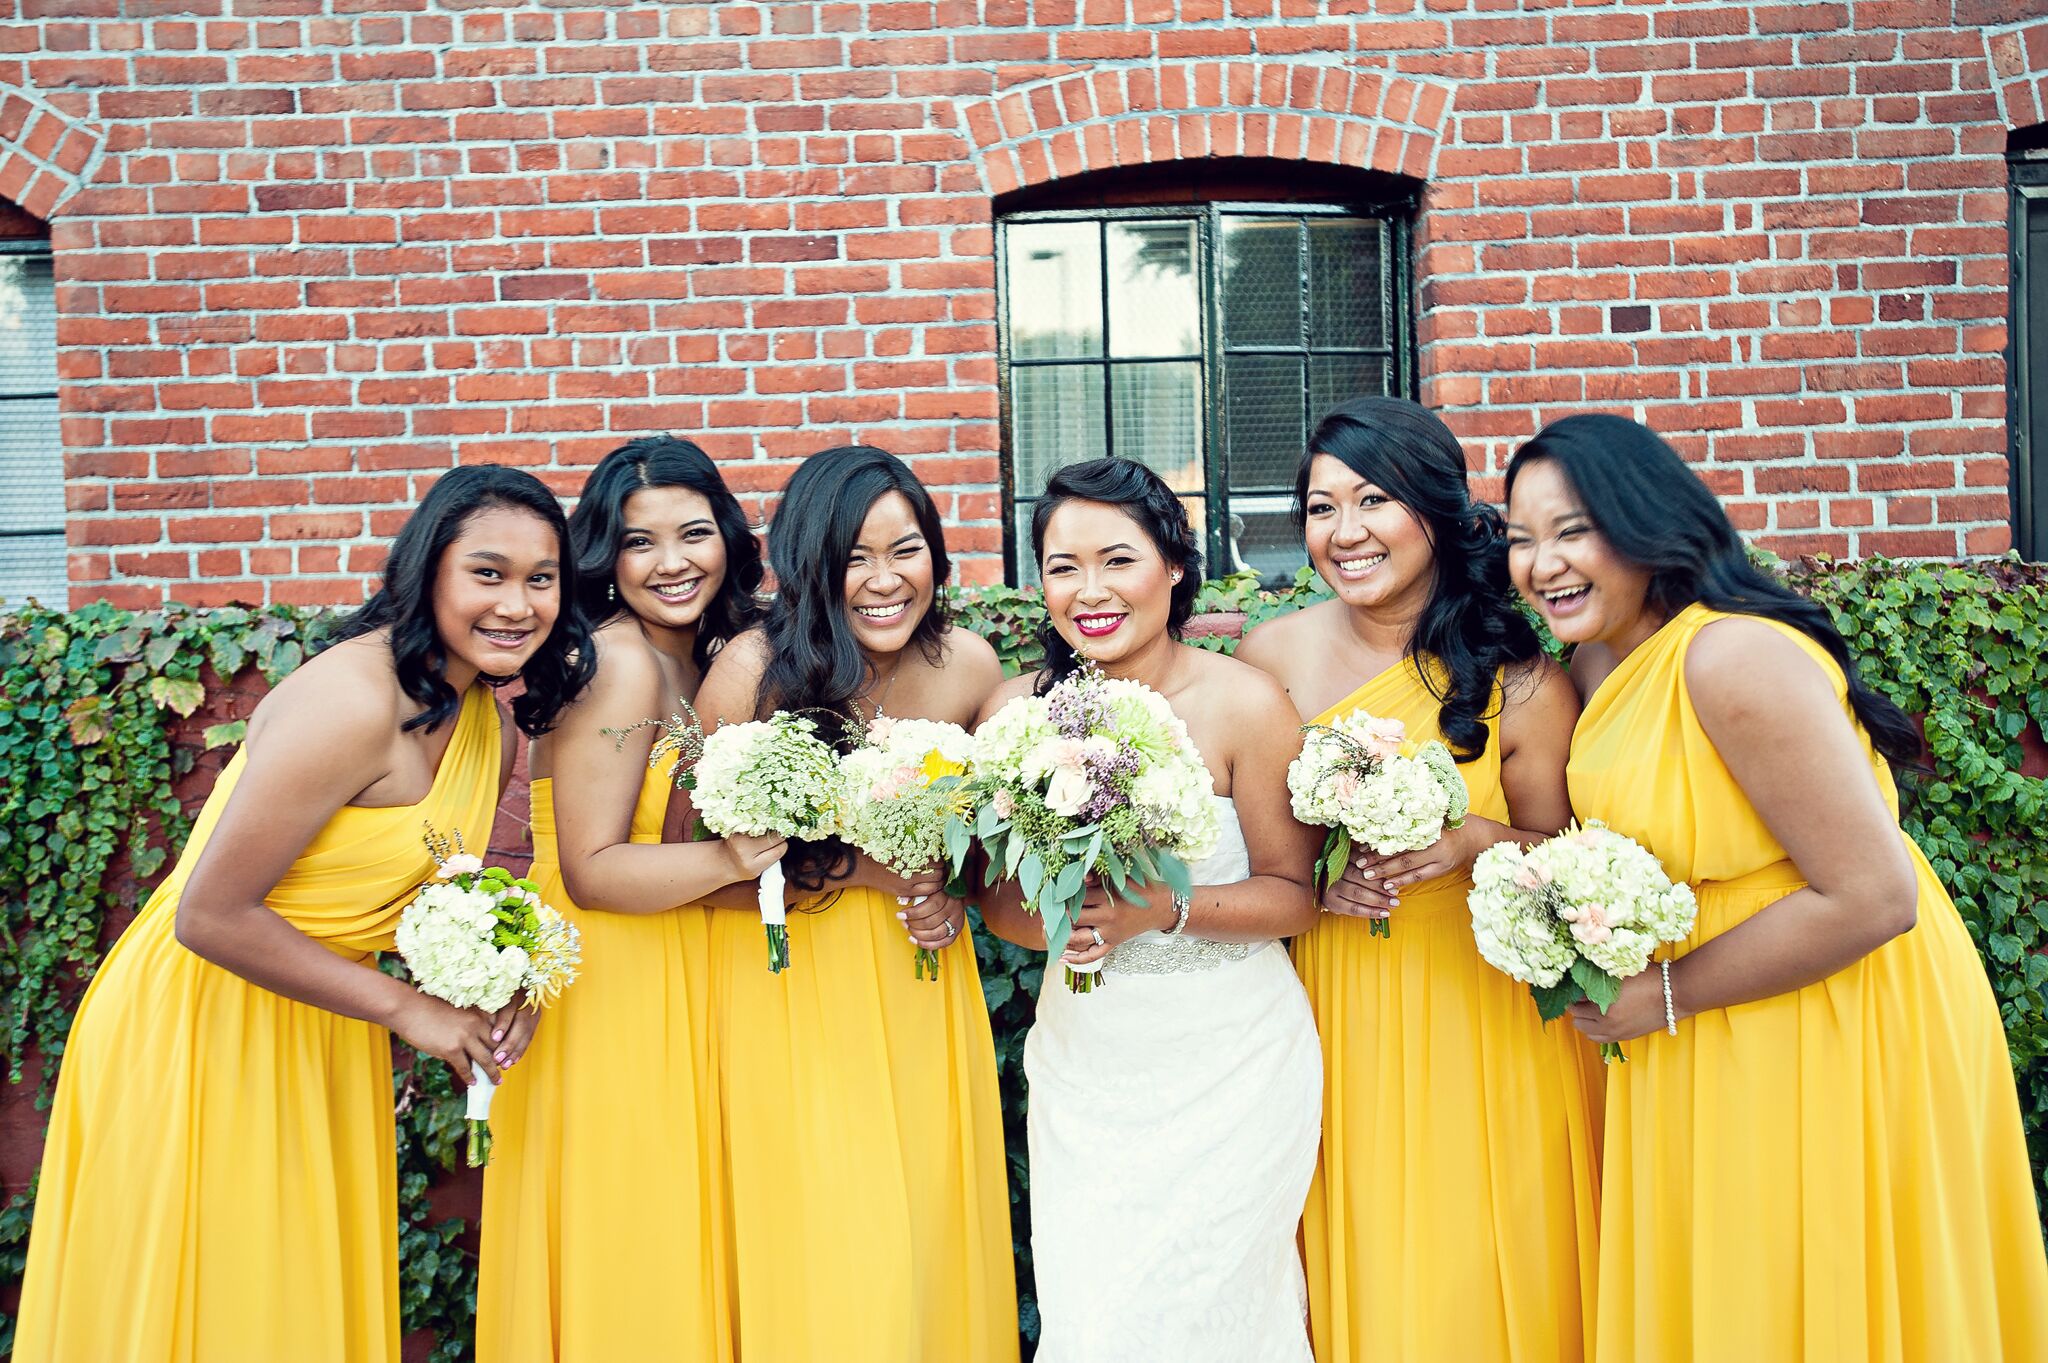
498,1035
499,1057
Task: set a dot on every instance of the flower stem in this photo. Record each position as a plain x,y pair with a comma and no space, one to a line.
778,948
1610,1051
927,960
479,1143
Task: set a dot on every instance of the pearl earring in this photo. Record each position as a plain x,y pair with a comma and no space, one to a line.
611,591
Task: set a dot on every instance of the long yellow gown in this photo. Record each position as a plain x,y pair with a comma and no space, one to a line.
219,1181
602,1228
864,1139
1454,1209
1834,1173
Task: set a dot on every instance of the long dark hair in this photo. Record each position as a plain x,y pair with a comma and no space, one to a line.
815,664
1470,623
559,669
1660,516
1142,495
598,525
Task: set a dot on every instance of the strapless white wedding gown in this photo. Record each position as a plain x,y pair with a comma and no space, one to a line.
1174,1117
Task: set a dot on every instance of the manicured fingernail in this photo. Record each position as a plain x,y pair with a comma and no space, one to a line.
1395,902
902,917
499,1057
498,1035
901,900
1387,885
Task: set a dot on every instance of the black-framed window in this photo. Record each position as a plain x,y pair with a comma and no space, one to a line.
31,443
1204,340
2027,374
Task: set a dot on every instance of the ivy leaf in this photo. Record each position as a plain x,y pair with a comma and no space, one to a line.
221,735
177,693
87,719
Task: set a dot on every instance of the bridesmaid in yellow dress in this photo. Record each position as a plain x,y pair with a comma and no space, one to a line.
1453,1214
870,1217
602,1223
219,1182
1814,1150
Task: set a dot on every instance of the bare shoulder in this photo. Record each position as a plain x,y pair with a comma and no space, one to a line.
1009,690
344,705
1248,693
974,656
627,669
1540,682
1589,666
1269,644
744,657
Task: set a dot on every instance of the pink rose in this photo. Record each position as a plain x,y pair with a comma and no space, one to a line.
1005,806
878,729
1590,925
461,864
1530,876
1344,787
1383,738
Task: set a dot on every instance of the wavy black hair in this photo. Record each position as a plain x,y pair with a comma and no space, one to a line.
598,526
1658,515
1142,495
815,664
1470,623
404,604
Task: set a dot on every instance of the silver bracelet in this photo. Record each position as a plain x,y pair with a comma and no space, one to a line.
1181,905
1670,1013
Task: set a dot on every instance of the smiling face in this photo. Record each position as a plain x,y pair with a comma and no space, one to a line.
497,592
671,559
1108,588
1373,551
1564,567
889,579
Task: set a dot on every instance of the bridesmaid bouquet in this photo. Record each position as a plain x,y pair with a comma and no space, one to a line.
768,776
1096,777
1575,915
904,800
1362,779
477,937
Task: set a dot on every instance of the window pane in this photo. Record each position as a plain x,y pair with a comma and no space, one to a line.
1339,378
1157,411
31,466
1153,307
28,326
1262,418
33,566
1346,294
1263,536
1057,416
1054,277
1261,281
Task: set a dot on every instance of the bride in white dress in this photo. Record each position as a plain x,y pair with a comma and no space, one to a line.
1174,1111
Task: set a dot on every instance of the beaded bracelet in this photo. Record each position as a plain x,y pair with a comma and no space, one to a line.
1181,905
1670,1013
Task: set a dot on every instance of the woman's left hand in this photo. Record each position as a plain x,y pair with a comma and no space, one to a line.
1638,1012
1114,919
1451,854
512,1031
935,921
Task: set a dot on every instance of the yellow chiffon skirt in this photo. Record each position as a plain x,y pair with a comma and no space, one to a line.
242,1197
1454,1211
1834,1173
870,1217
603,1203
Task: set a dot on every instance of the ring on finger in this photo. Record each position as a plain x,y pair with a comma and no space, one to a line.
1097,932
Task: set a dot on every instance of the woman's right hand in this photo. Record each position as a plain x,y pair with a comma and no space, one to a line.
459,1036
1357,895
873,874
751,854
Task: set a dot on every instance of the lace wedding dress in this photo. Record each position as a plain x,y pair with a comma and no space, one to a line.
1174,1117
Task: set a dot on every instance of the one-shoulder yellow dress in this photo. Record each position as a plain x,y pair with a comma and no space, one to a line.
870,1216
219,1181
602,1230
1455,1203
1833,1173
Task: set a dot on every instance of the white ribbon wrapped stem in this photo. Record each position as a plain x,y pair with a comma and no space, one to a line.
773,910
479,1095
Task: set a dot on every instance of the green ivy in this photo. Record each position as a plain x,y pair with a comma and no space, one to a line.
88,701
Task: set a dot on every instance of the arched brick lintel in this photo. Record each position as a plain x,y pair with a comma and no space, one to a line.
45,156
2019,71
1136,115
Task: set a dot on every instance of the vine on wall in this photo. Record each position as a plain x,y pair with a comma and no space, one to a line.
101,711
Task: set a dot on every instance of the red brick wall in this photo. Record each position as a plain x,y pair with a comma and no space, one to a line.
311,252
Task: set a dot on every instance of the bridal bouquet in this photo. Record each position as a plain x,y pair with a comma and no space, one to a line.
476,937
1096,777
1575,915
771,776
1362,779
905,801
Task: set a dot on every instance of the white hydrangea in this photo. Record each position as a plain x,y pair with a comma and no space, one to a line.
446,935
1012,733
768,776
1360,774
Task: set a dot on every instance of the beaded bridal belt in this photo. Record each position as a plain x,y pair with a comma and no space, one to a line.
1175,955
